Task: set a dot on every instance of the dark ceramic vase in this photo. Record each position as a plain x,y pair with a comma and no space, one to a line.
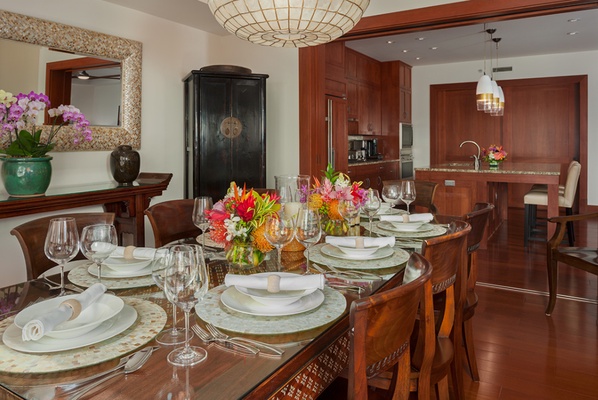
124,164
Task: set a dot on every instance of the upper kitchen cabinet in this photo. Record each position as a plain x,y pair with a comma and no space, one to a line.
335,81
395,94
363,93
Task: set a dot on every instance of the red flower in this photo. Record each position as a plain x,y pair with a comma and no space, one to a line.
246,208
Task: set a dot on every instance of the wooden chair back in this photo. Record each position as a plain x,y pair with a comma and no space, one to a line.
172,221
381,329
447,255
584,258
32,236
424,195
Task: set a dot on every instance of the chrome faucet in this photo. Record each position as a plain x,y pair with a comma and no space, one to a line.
476,159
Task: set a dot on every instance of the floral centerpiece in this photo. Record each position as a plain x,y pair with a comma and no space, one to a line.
493,155
18,124
237,222
325,197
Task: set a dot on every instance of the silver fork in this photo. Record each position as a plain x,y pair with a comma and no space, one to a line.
273,350
347,274
241,348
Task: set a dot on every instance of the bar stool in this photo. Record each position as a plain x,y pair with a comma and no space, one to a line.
539,197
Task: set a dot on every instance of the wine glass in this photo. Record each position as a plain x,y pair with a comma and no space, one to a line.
308,231
62,244
200,219
279,230
349,210
160,264
185,284
391,194
408,193
371,205
97,243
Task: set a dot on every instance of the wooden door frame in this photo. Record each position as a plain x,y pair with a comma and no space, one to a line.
312,59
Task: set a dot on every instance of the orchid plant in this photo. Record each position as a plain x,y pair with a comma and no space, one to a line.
18,124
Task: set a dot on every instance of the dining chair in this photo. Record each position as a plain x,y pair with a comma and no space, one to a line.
172,221
32,236
584,258
539,197
381,328
424,195
478,219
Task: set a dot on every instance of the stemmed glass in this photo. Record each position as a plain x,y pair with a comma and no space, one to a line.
97,243
348,210
200,219
371,205
391,194
308,230
185,284
408,193
62,244
278,231
160,265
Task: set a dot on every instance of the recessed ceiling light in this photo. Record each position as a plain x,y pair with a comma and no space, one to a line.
421,38
572,33
390,41
418,58
574,20
434,48
405,51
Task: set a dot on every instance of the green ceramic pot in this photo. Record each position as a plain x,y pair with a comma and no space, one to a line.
26,177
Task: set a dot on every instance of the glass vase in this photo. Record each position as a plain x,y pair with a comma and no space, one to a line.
334,227
493,164
243,255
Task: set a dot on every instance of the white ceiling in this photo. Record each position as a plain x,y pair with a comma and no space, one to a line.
521,37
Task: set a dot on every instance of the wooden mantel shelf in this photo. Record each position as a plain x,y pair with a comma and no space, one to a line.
126,202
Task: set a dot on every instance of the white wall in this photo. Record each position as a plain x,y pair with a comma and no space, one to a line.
523,67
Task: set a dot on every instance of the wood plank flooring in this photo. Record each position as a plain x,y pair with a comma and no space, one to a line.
521,353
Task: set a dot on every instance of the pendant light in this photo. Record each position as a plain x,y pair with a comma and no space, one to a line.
498,101
288,23
484,87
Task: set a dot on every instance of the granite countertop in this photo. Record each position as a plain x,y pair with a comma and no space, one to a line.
371,162
504,168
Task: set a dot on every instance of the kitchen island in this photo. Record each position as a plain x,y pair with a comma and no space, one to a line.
460,186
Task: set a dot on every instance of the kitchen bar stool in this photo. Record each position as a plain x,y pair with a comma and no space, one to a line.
539,197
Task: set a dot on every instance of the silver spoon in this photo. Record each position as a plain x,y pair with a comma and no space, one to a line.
133,364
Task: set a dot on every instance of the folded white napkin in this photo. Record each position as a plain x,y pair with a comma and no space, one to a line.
299,282
122,251
423,217
37,328
349,241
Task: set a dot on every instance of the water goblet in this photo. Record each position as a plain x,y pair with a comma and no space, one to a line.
62,245
408,193
308,231
160,264
97,243
391,194
371,205
185,284
349,210
279,230
200,218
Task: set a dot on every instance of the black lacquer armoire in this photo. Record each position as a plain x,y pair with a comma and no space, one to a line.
225,130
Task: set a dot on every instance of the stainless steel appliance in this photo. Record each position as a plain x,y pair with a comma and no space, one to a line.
406,164
405,137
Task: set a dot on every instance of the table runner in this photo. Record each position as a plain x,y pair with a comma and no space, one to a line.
151,319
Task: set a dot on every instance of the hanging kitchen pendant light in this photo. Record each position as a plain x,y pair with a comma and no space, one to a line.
288,23
484,87
498,100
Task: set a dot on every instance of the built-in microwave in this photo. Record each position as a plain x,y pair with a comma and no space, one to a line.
405,136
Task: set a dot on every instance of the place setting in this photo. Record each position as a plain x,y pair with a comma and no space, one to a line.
271,303
75,331
408,226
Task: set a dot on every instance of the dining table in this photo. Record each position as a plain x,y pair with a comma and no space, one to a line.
316,343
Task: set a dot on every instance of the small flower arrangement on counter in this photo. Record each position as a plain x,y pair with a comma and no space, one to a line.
325,197
494,153
237,221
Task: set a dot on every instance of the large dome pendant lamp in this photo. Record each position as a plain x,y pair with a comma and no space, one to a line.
484,92
288,23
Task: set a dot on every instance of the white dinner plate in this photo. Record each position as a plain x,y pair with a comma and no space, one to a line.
334,251
106,330
122,265
242,303
106,307
112,274
278,299
389,226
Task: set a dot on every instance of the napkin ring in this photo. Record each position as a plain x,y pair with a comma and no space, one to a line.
73,305
129,252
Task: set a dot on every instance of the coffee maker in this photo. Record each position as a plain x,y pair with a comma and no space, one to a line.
371,147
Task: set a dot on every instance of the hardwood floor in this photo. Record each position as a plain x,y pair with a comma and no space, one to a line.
522,353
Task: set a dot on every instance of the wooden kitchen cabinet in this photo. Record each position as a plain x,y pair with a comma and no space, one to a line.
368,97
372,175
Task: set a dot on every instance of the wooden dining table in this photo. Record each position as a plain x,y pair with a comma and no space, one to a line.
312,359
